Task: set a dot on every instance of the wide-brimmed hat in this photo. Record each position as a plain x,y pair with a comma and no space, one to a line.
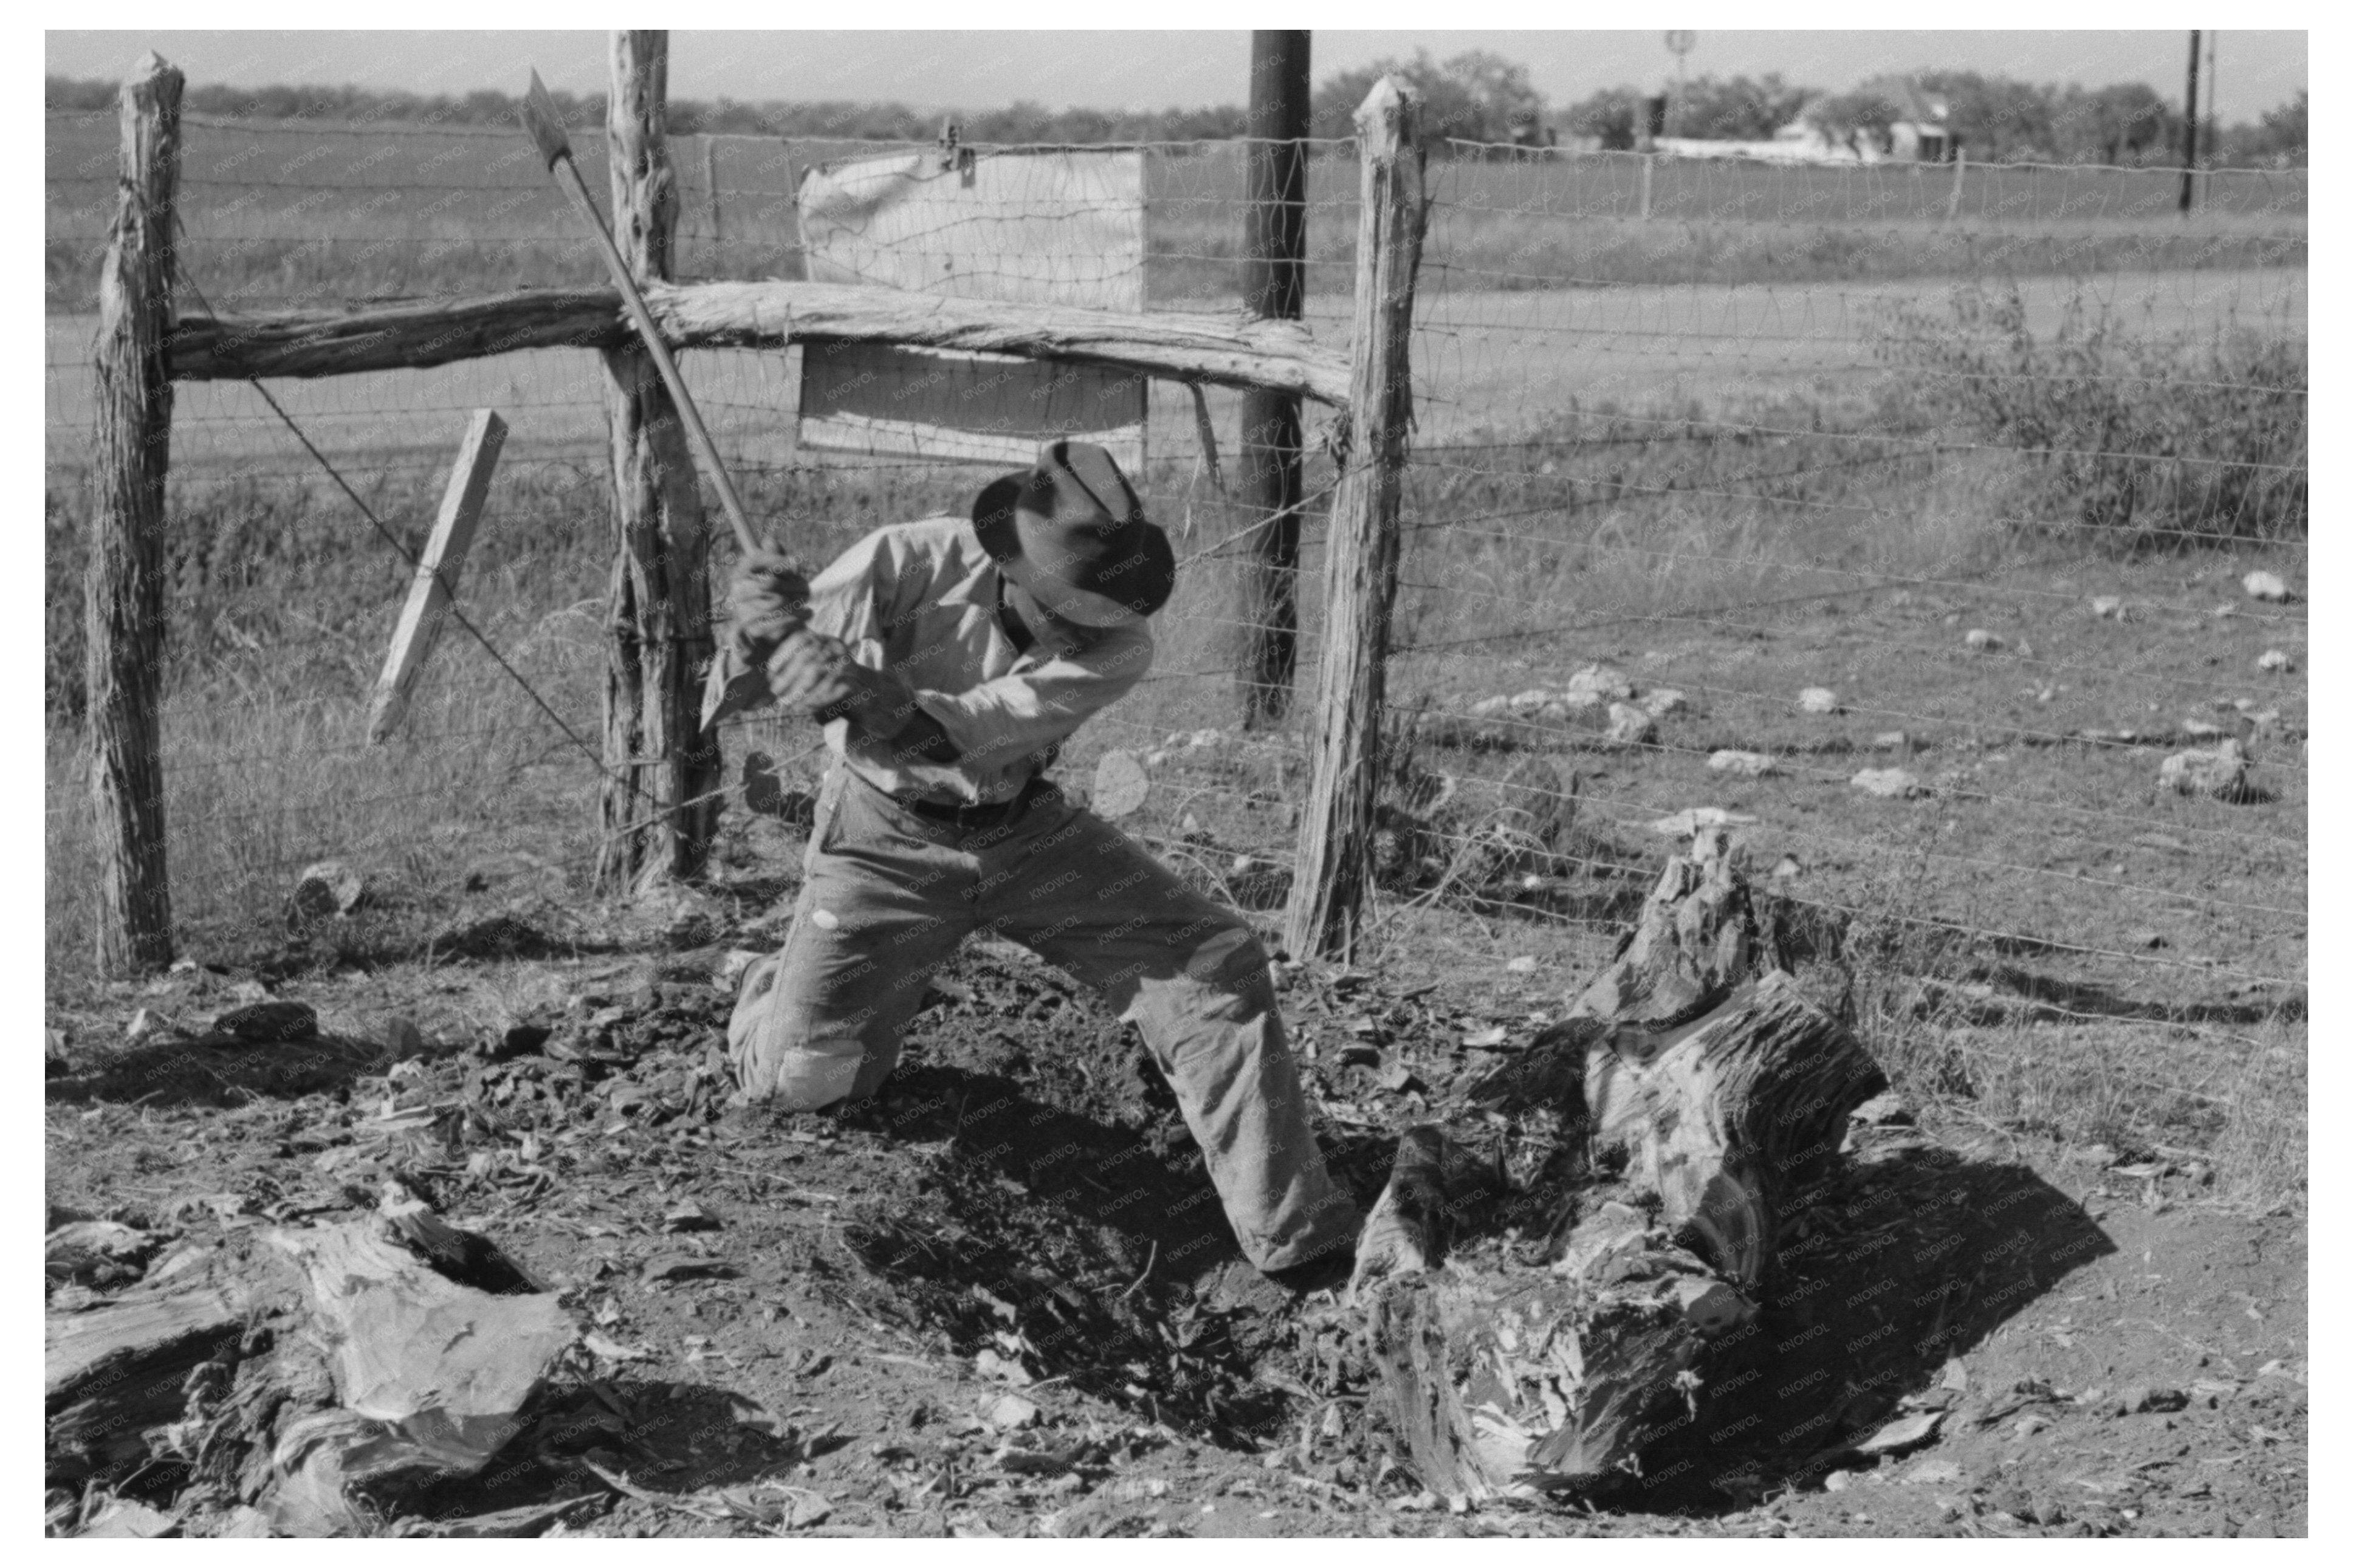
1070,530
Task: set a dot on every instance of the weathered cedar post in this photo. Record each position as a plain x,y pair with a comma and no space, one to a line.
1361,557
124,588
661,773
1274,251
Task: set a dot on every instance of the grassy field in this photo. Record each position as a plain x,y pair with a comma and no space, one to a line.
279,214
1729,477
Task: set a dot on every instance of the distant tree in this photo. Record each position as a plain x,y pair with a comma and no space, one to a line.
1740,109
2282,135
1474,96
1857,120
1998,118
2119,123
1613,115
833,120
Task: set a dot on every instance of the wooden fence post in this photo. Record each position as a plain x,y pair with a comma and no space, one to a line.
1274,236
711,182
1333,863
123,613
659,804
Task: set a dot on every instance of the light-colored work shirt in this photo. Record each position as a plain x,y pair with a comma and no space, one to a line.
920,600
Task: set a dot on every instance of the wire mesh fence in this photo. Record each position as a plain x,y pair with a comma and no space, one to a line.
1733,485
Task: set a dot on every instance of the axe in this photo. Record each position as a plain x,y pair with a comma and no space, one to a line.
728,688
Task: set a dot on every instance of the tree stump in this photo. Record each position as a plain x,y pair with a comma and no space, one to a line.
317,1373
1728,1094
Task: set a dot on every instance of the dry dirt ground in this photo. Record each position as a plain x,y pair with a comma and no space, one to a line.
868,1306
990,1303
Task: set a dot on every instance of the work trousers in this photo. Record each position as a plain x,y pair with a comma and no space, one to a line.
889,894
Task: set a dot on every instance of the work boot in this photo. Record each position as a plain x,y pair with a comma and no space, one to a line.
1237,1287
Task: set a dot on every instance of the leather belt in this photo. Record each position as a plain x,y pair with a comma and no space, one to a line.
972,818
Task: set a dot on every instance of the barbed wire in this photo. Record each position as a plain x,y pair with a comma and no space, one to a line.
1508,343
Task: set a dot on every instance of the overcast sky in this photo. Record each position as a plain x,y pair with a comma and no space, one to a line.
972,70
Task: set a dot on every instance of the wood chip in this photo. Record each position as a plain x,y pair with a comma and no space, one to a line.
1898,1436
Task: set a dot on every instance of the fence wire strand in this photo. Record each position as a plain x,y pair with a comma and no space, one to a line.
1749,440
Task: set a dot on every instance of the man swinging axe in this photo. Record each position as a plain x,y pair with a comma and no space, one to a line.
949,659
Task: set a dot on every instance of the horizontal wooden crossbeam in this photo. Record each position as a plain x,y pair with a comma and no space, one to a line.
1214,350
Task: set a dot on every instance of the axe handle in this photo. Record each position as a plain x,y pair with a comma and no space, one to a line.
652,335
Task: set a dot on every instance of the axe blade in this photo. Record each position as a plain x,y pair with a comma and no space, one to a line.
541,117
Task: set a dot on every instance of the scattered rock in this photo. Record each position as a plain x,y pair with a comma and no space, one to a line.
1889,784
1787,866
2220,772
1980,640
1630,726
1818,699
2108,607
2266,586
1665,702
327,887
2275,662
269,1023
1012,1413
1600,683
1750,765
1838,1480
690,1215
402,1038
1121,787
1523,964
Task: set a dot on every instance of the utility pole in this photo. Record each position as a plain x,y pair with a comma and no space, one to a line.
2213,117
2189,128
1274,254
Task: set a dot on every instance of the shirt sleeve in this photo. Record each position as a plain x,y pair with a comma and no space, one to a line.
1028,710
854,597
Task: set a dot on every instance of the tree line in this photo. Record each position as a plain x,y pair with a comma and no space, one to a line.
1475,97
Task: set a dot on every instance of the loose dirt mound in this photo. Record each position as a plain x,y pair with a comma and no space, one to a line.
994,1297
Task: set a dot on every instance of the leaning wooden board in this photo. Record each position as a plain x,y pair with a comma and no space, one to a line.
434,593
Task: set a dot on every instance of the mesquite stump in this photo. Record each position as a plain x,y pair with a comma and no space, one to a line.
1719,1095
310,1378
